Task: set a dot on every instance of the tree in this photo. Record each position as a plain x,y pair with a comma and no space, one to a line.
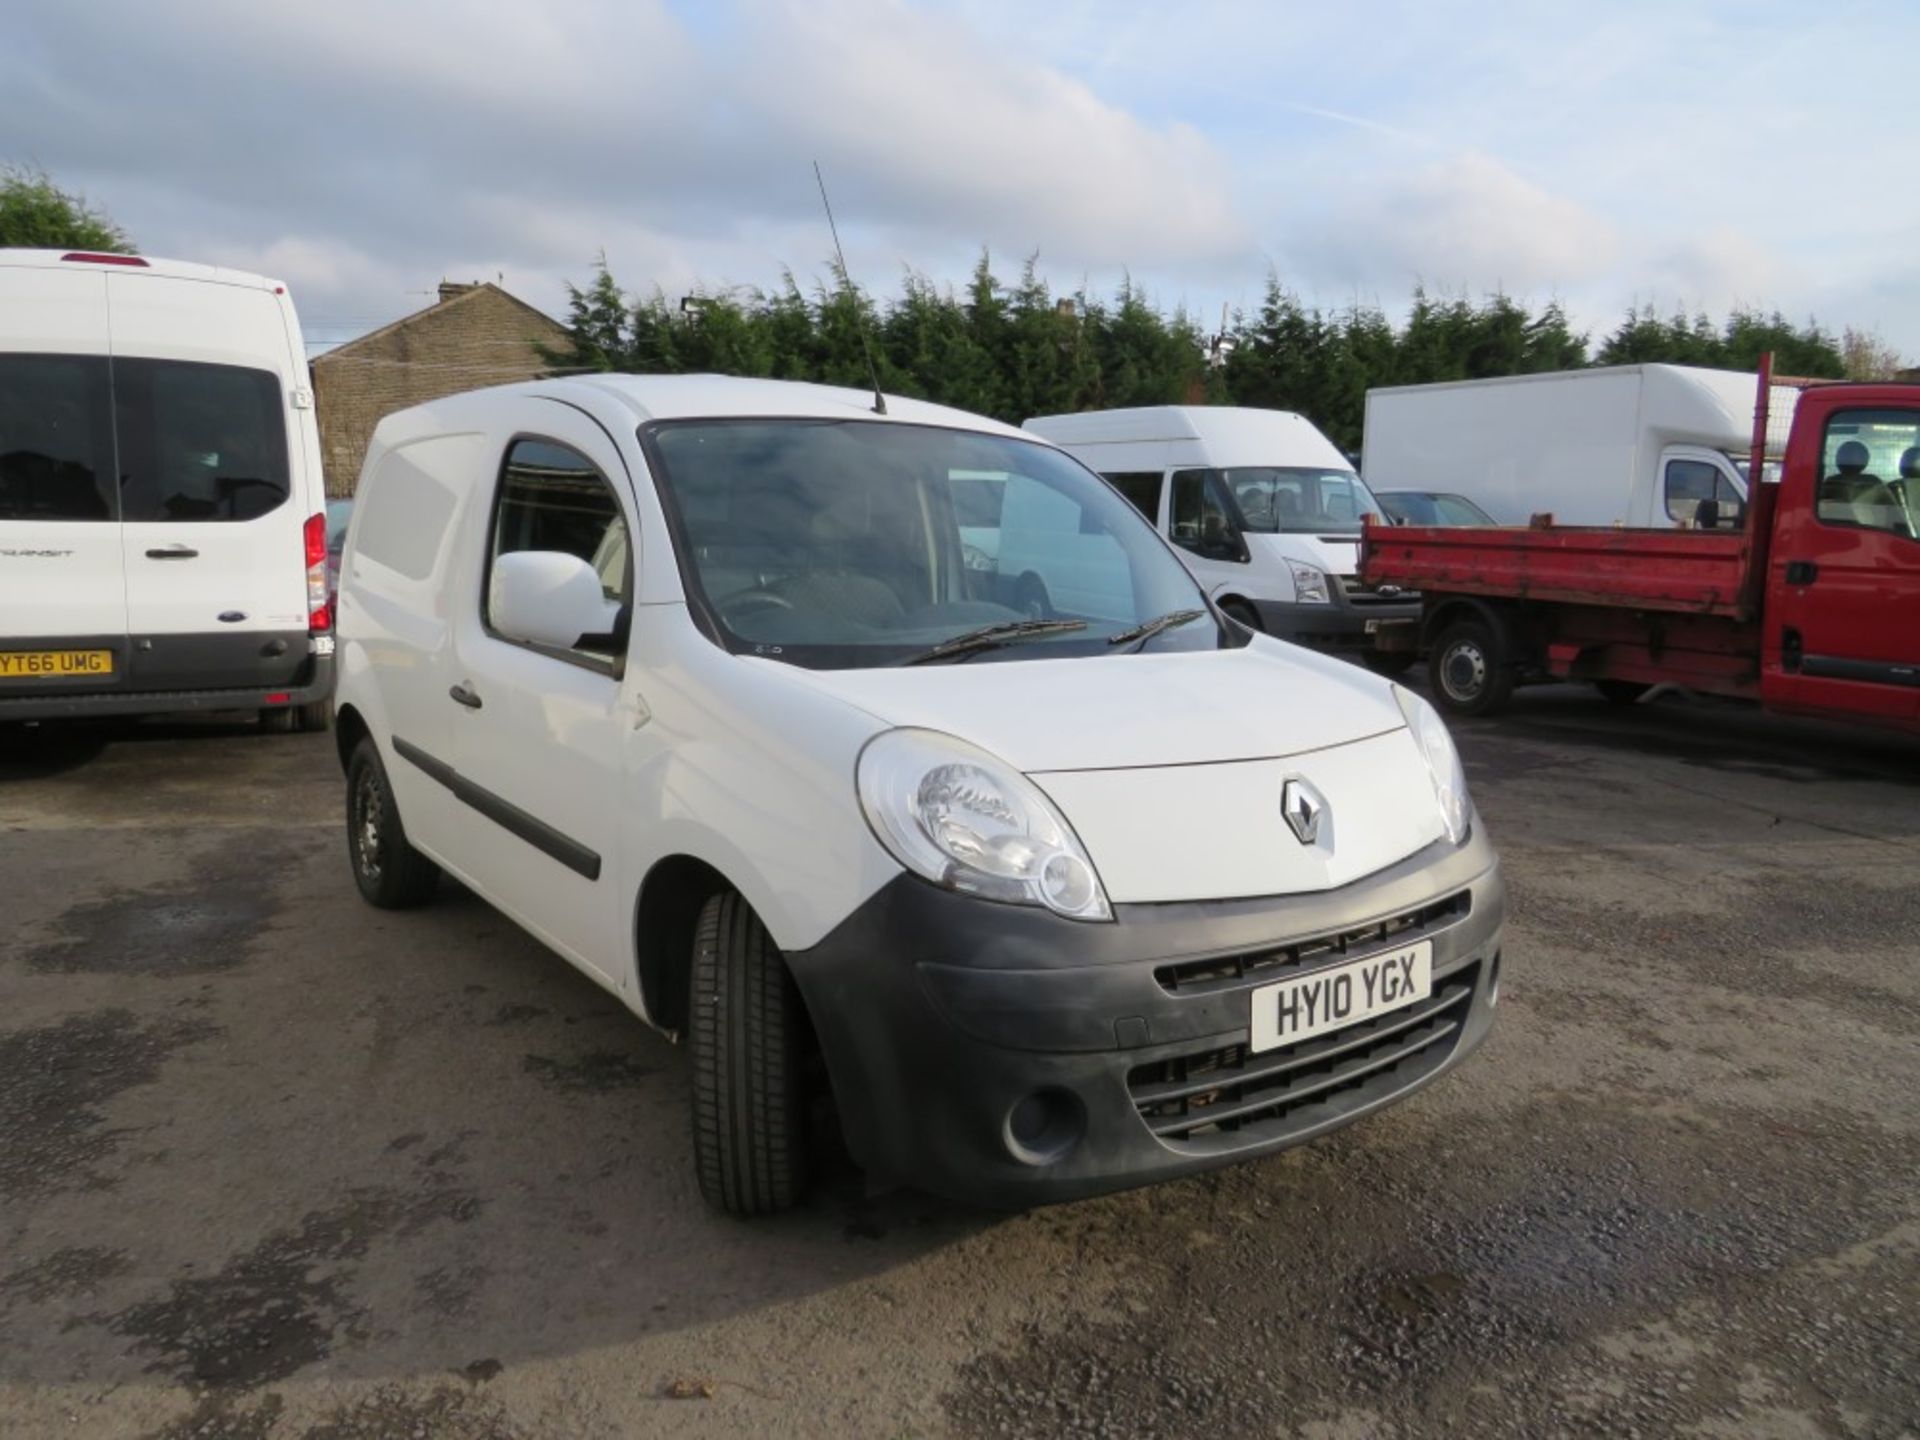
37,214
1865,356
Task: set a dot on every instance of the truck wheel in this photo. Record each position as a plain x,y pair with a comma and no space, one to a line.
1621,692
314,717
1242,612
749,1111
1470,673
280,720
390,872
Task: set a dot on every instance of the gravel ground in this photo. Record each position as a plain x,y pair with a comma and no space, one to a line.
273,1164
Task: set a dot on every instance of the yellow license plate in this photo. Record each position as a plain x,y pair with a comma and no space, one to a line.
54,664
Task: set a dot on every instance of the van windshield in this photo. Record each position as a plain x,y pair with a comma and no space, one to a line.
1300,499
835,544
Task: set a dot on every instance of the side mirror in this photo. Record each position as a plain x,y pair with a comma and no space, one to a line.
547,597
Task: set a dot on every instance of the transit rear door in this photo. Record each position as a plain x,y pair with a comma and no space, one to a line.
211,508
63,614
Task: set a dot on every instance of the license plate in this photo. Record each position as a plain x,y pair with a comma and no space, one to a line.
1295,1010
54,664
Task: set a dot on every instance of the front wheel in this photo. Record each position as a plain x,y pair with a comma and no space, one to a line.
1242,612
1470,670
745,1039
389,872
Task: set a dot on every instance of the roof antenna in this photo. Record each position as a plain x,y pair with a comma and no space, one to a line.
879,400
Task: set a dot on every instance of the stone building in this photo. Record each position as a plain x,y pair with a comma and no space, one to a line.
475,335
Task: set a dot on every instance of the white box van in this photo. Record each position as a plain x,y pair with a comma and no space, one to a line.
1640,446
162,543
728,691
1263,509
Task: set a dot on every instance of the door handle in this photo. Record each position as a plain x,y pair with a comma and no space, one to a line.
174,552
464,694
1802,572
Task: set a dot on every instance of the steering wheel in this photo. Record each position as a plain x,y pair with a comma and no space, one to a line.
751,601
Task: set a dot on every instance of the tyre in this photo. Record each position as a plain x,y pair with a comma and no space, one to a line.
1470,672
280,720
1391,663
1242,612
313,718
1621,692
745,1037
390,872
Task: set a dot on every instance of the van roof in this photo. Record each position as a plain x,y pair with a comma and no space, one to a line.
138,265
674,397
1233,435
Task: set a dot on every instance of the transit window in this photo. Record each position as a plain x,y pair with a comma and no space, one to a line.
199,442
56,438
1143,488
1692,482
1870,471
554,498
1200,520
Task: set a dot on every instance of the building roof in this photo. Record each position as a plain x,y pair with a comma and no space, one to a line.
465,296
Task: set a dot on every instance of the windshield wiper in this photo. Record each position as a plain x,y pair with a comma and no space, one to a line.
989,637
1147,629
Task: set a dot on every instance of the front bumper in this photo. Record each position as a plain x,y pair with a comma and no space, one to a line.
1002,1055
1350,619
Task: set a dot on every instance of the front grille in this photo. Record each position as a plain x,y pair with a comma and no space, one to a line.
1359,594
1227,1098
1258,967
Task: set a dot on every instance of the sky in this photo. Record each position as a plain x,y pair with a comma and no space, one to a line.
1687,153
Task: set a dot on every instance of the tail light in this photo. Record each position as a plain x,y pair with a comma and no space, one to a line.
319,611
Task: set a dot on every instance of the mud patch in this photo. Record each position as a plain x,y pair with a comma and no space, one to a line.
596,1071
1461,1284
198,926
517,1014
74,1271
54,1081
269,1313
445,1413
449,1290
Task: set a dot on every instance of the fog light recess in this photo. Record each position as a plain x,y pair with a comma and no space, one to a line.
1043,1127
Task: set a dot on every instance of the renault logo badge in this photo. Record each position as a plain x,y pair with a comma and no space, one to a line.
1303,806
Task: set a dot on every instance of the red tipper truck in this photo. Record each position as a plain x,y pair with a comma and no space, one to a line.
1811,607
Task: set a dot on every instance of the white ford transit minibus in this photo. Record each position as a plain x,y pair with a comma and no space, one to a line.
896,748
1261,508
162,543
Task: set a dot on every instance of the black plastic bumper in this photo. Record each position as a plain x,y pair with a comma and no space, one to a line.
1338,624
1002,1055
312,680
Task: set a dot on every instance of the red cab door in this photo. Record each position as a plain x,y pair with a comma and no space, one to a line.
1843,602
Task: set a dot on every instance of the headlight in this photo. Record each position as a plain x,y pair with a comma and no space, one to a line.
1443,762
1309,583
954,814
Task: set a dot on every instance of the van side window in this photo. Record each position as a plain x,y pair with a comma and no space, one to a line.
1199,520
56,438
199,442
554,498
1143,488
1691,481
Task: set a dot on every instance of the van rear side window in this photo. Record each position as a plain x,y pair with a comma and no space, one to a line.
199,442
56,438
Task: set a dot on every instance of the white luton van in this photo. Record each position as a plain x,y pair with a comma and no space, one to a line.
162,540
1262,508
1639,446
717,688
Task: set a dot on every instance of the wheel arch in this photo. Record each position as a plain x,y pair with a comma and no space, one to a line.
1451,609
349,729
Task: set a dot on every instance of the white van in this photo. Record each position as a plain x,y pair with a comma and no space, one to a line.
1640,446
162,542
726,691
1264,510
